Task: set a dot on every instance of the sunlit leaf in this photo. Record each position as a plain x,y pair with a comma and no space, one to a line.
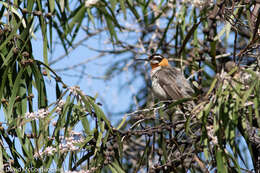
220,162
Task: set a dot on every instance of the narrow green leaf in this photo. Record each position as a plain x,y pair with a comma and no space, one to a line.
113,4
51,5
50,34
166,30
62,5
187,125
85,124
256,104
39,85
1,159
86,140
13,10
248,92
3,81
205,149
11,145
188,35
14,94
45,48
69,114
58,92
105,138
8,58
141,159
112,169
133,10
117,167
77,19
86,102
89,101
49,162
121,123
98,143
221,167
101,114
130,2
111,28
90,16
102,126
44,35
70,160
217,37
212,86
30,5
239,152
61,119
122,4
206,110
236,165
161,3
25,143
22,104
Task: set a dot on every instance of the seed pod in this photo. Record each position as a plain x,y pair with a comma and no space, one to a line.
64,86
18,98
48,15
25,54
6,28
37,13
205,30
3,100
44,73
24,11
210,39
16,50
1,32
29,135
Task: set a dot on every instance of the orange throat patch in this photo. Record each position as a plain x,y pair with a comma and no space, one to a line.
164,62
154,66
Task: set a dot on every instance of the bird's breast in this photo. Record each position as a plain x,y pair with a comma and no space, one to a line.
157,89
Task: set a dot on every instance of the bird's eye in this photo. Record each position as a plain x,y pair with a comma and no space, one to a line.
156,58
155,61
159,58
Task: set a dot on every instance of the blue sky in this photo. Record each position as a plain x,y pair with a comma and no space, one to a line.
110,93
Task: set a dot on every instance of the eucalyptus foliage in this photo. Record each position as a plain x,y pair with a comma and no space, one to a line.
72,133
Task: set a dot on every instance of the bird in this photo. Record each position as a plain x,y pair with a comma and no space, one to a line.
168,83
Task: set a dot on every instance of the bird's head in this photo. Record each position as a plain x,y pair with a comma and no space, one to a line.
157,60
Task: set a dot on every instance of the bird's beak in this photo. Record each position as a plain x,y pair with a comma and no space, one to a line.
142,59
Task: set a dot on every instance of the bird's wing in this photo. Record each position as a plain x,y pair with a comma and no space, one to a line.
182,82
174,83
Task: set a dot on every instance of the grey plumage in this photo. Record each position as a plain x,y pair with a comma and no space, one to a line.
169,83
